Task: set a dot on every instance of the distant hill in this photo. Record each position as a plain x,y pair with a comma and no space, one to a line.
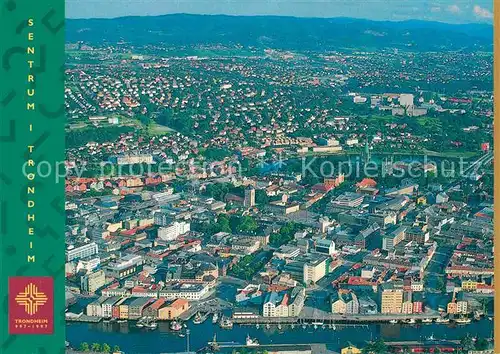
290,33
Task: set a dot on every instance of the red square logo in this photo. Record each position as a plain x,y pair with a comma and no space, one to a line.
31,305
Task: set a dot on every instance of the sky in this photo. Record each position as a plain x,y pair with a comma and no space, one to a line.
451,11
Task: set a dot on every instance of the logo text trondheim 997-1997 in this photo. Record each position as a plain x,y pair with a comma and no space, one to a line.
31,309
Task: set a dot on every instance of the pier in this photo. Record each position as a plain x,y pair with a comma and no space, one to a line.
314,316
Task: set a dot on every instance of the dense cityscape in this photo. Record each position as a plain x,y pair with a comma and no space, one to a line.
262,193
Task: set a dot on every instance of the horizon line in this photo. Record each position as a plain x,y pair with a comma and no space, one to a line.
284,16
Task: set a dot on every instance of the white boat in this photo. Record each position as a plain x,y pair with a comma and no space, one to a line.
304,326
140,322
442,320
279,327
215,318
182,335
431,338
410,321
252,342
427,320
122,321
199,318
150,323
257,326
393,321
226,323
463,320
175,326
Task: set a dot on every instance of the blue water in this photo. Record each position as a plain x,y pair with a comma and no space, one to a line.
133,340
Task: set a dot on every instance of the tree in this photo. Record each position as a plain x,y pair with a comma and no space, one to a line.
96,347
261,197
377,347
285,235
84,347
145,120
440,284
106,348
482,344
247,224
116,349
223,224
466,342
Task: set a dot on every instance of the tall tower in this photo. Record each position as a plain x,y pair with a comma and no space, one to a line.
249,200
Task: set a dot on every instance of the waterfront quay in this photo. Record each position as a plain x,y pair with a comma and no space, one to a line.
303,319
322,348
81,317
311,315
213,305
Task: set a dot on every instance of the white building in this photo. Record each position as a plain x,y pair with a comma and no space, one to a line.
345,302
107,306
188,291
90,282
359,99
284,304
314,270
406,100
367,273
325,246
89,264
80,252
286,251
174,230
95,307
134,159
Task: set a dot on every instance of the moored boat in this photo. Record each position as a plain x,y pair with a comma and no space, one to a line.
226,323
175,326
442,320
199,318
149,323
463,320
251,342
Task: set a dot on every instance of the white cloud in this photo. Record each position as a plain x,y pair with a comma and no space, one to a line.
482,12
454,9
435,9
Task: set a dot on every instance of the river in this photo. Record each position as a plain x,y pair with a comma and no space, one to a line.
134,340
